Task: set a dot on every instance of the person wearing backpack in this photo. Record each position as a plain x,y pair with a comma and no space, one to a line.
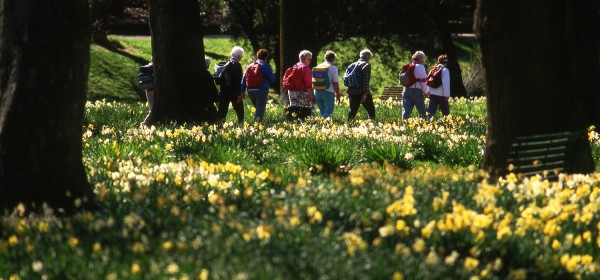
229,80
358,78
326,84
298,82
439,93
413,94
256,79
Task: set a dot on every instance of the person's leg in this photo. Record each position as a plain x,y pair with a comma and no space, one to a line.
238,107
320,102
419,100
407,103
433,104
252,95
369,106
261,104
223,106
354,104
444,106
329,103
150,98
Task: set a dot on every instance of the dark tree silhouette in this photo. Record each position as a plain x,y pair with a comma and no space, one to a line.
541,66
44,62
181,90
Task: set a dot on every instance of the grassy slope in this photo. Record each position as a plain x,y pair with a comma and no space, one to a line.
113,76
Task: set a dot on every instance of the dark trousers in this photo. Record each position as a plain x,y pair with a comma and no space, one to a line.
434,102
224,100
355,103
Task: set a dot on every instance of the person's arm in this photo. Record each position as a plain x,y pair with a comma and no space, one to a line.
446,82
269,72
366,79
421,76
242,87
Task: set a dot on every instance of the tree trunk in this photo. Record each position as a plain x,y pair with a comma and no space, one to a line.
538,71
296,33
181,92
44,62
457,87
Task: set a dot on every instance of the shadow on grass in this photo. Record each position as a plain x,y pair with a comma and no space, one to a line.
216,56
116,47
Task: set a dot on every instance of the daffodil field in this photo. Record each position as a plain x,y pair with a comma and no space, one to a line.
320,199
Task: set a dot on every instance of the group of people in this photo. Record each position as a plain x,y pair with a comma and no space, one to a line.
302,95
303,88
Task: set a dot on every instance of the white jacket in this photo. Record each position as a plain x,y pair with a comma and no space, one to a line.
444,89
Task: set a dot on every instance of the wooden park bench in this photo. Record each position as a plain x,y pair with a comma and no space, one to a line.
392,92
551,153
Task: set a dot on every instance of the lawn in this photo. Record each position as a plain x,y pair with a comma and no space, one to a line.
320,199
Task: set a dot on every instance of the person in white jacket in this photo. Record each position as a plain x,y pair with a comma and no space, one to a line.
438,96
414,94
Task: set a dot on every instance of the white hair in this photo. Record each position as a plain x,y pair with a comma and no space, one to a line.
305,54
417,55
237,52
366,54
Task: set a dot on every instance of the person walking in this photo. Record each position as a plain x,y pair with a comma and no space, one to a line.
256,79
229,91
326,85
361,94
301,96
413,94
439,94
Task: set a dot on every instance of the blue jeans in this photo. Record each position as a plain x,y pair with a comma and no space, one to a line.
412,97
259,100
325,101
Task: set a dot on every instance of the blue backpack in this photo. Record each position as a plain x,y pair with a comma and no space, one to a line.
353,75
146,76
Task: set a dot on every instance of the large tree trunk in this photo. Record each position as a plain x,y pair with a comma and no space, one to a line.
295,33
181,92
457,87
44,62
540,60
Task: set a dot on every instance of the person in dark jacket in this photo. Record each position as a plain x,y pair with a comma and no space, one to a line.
230,86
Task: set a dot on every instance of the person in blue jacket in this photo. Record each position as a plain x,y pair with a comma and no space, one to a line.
256,80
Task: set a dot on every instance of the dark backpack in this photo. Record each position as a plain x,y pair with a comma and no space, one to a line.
292,79
254,76
221,76
434,79
407,75
353,75
146,76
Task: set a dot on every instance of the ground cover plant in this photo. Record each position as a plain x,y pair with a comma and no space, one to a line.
320,199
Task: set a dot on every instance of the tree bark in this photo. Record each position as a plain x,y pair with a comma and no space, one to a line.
181,92
44,63
457,87
537,70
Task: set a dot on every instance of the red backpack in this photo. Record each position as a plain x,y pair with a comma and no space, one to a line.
254,76
292,79
434,79
407,75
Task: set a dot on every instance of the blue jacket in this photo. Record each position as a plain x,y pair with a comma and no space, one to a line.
267,74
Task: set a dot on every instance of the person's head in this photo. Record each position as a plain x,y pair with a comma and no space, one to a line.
237,52
442,59
305,57
330,56
419,57
207,61
262,54
366,54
